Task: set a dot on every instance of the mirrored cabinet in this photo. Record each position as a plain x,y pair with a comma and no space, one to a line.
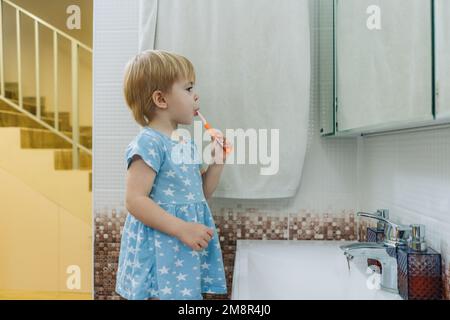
390,63
442,66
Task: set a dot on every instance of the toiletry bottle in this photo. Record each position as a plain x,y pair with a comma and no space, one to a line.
419,268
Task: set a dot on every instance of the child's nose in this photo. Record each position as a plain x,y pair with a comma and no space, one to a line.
196,97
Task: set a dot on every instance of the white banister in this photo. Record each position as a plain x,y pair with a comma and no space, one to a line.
55,79
36,54
19,60
44,23
75,47
75,128
2,66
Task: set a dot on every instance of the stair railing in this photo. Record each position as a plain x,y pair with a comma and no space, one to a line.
75,47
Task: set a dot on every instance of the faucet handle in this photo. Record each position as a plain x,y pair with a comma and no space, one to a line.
378,215
397,235
417,238
383,213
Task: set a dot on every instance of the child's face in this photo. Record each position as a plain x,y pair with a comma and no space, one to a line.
182,102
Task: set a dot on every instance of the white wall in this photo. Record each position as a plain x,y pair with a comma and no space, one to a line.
409,173
115,42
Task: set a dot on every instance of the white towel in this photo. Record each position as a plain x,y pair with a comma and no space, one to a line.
252,61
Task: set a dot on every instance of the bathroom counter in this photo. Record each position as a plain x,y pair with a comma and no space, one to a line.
302,269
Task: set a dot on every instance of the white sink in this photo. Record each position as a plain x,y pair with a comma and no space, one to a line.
297,270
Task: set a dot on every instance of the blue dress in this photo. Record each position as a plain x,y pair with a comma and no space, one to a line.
153,264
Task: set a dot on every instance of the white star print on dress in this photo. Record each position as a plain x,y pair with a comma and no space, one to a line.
179,263
170,173
186,292
181,276
153,264
163,270
190,196
152,152
168,192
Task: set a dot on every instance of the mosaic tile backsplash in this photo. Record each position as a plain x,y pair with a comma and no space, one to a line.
233,224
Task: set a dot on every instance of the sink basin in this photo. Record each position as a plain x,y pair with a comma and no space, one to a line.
301,270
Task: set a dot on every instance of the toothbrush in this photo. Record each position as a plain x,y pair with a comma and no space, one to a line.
227,148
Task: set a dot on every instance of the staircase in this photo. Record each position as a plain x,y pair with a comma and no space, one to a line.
35,151
46,167
35,136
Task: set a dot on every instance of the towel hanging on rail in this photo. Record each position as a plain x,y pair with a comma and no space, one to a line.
252,62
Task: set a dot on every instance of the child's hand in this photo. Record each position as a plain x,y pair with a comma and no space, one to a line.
218,153
195,235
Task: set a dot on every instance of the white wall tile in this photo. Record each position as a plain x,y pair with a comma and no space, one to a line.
409,173
115,42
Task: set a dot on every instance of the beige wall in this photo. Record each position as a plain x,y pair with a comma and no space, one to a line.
54,12
38,241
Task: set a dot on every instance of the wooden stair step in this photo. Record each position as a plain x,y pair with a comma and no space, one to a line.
48,117
84,130
85,140
17,119
12,92
63,116
11,87
63,160
31,107
28,106
32,102
42,138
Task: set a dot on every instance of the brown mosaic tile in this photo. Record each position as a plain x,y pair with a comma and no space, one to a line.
108,226
315,226
365,223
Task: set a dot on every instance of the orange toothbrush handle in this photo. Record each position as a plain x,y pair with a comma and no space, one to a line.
227,148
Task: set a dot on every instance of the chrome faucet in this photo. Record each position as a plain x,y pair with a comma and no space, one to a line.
395,235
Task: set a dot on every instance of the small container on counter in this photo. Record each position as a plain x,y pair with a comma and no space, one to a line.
419,268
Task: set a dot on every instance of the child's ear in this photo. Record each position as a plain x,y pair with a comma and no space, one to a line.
159,100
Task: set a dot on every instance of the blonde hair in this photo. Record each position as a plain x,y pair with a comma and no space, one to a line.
149,71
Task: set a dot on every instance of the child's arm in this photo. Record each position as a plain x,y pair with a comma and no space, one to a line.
211,178
140,180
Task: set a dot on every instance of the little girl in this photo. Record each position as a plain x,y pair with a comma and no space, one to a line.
170,247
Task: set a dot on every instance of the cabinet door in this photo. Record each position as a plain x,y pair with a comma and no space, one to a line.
442,45
324,16
384,63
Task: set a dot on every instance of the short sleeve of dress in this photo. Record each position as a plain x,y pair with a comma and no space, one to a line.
149,147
